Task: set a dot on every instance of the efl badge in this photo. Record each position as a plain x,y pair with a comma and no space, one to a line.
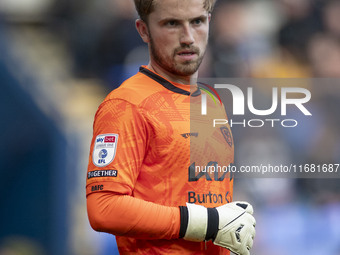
104,149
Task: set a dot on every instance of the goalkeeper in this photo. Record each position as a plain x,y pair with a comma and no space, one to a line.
142,182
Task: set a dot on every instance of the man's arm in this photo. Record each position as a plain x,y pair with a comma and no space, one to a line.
231,225
128,216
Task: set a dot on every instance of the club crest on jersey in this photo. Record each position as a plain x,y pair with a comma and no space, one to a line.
104,149
227,136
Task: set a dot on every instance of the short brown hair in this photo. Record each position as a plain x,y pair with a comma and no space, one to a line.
145,7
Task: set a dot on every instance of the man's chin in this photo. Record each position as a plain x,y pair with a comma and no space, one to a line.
187,69
184,72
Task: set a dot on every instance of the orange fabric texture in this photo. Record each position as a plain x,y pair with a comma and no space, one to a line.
106,214
146,147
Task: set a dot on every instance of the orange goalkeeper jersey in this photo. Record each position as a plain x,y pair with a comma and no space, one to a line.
151,142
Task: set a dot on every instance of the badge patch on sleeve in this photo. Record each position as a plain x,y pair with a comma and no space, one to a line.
104,149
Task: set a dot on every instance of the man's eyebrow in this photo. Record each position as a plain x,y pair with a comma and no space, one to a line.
201,17
165,20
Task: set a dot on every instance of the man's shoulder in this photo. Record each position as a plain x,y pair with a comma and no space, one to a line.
135,89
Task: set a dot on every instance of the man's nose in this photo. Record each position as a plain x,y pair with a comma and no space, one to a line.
187,37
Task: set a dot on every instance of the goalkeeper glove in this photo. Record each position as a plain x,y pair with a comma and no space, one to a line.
231,226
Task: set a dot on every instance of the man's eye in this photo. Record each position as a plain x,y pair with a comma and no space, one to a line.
171,23
197,21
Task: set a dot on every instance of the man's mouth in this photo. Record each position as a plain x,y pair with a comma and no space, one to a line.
186,53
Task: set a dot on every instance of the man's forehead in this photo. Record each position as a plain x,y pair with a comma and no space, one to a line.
179,9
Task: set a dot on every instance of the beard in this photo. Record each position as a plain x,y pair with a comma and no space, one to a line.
169,63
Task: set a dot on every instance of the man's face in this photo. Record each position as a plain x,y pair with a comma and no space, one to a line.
178,31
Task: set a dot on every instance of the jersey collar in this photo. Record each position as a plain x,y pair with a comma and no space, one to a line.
165,83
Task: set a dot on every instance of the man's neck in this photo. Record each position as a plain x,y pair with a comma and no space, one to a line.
171,77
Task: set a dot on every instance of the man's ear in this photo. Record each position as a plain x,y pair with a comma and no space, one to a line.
143,30
209,17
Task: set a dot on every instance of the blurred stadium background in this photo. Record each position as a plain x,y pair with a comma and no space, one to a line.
58,60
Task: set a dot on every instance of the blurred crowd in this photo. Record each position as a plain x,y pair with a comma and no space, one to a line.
262,38
277,39
249,39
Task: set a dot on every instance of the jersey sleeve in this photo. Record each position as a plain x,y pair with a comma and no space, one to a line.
129,216
117,148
